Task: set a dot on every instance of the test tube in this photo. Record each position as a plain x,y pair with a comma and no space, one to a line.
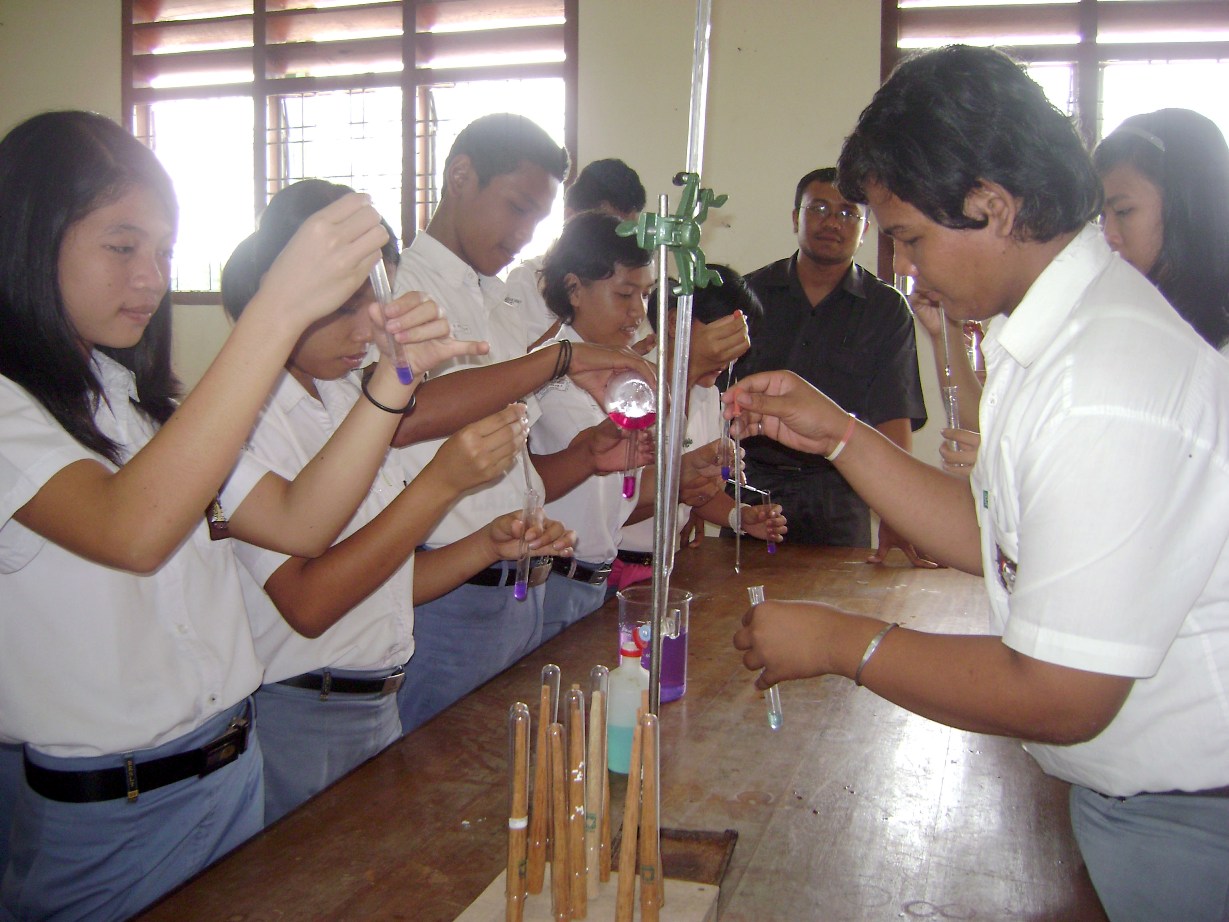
772,697
529,515
725,427
951,406
772,549
384,295
551,676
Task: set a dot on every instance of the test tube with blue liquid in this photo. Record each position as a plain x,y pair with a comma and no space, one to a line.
384,295
530,515
772,697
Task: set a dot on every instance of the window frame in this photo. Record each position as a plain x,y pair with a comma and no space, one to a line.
413,81
1086,54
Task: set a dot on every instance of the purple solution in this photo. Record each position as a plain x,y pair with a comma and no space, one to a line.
673,666
623,421
629,486
520,591
405,374
772,547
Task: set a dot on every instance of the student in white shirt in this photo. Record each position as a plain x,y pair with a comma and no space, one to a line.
126,659
335,632
500,179
608,185
1096,509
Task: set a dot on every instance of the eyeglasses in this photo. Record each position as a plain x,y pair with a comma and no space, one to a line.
846,214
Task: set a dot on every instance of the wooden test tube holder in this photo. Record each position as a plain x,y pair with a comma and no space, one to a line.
539,819
560,875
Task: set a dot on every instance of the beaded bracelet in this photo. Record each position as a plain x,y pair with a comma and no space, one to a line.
404,411
840,446
870,651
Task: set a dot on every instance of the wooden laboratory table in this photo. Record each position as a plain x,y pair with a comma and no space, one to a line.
855,810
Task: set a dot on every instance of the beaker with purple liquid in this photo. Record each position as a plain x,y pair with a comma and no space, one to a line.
636,612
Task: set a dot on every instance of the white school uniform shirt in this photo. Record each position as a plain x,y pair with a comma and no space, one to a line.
703,426
524,293
595,508
378,633
95,660
1102,487
476,310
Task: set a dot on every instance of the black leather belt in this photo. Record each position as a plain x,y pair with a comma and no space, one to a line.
134,777
505,575
327,684
641,558
574,569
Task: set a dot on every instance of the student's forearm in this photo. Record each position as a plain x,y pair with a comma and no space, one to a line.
440,570
304,516
314,593
978,683
563,471
134,518
449,402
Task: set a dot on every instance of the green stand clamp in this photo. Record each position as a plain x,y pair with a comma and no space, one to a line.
680,232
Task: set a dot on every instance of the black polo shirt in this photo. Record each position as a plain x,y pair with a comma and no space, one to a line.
857,346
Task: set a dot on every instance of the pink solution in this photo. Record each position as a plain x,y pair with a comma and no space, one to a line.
629,486
623,421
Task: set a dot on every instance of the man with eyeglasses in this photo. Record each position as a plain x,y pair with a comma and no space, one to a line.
849,334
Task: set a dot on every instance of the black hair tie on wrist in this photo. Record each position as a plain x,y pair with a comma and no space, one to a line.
564,361
404,411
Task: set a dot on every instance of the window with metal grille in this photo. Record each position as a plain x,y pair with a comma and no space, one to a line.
1099,60
240,98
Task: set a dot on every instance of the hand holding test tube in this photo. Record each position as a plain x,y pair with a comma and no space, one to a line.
772,696
384,295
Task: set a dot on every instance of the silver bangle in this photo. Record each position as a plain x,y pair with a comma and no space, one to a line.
870,651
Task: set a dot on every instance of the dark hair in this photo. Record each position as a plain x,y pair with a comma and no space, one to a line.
606,182
281,219
823,174
55,169
497,144
590,249
950,118
1185,156
716,301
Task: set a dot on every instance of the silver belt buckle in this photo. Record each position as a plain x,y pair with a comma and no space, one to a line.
540,571
598,576
393,683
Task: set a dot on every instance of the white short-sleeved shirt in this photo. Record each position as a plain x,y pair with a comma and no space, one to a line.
595,508
524,293
476,310
95,660
378,633
703,426
1102,487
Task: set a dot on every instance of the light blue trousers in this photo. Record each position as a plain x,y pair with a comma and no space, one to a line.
567,601
463,639
309,743
1155,857
107,860
10,783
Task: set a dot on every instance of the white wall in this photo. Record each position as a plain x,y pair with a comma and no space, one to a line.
787,81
